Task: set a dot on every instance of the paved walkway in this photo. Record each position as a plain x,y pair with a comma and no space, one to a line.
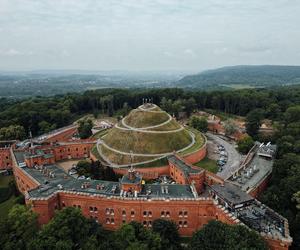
234,158
114,165
149,127
150,109
150,131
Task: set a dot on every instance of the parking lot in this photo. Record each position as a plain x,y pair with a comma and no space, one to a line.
225,153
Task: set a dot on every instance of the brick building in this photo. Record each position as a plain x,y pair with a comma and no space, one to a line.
197,197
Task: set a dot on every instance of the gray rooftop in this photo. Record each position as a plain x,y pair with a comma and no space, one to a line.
136,180
231,193
19,157
262,219
52,179
253,173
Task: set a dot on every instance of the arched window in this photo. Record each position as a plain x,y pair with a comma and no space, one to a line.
112,212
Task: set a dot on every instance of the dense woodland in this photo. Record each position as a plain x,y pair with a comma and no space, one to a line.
280,104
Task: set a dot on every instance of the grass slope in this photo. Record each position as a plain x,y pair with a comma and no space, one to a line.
139,119
208,164
146,143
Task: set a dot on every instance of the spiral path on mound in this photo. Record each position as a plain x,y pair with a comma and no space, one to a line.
147,129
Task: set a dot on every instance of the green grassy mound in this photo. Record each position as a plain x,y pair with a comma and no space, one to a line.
140,119
199,141
123,159
147,143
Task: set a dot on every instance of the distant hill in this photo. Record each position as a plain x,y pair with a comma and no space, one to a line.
243,76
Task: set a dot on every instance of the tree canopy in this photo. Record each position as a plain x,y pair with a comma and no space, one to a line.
199,123
217,235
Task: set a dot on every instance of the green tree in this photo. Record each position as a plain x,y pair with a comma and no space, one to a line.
245,144
12,132
85,128
166,104
18,229
292,114
135,236
69,229
168,231
45,127
84,167
189,105
217,235
253,121
230,127
199,123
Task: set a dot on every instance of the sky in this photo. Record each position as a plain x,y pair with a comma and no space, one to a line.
147,35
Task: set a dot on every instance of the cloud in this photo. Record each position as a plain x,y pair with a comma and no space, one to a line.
190,53
220,51
138,34
15,52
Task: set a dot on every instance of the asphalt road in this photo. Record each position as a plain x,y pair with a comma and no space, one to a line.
234,158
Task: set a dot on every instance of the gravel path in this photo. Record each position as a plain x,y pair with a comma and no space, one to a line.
234,158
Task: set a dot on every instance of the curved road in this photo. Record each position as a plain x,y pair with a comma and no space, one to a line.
150,131
233,156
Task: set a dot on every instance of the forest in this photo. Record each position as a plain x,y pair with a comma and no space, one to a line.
279,104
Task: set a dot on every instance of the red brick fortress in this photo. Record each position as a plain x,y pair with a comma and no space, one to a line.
197,197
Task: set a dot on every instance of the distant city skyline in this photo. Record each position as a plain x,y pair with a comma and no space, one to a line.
142,35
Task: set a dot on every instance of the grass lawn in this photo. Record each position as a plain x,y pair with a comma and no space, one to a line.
199,141
100,133
6,205
5,179
208,164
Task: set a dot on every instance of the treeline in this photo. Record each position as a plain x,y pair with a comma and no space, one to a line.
42,114
69,229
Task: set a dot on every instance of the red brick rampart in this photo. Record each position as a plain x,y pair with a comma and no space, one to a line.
5,159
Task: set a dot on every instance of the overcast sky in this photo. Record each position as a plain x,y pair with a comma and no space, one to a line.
147,34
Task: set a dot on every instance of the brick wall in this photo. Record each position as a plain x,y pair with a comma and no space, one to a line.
24,181
74,150
5,159
196,156
255,192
